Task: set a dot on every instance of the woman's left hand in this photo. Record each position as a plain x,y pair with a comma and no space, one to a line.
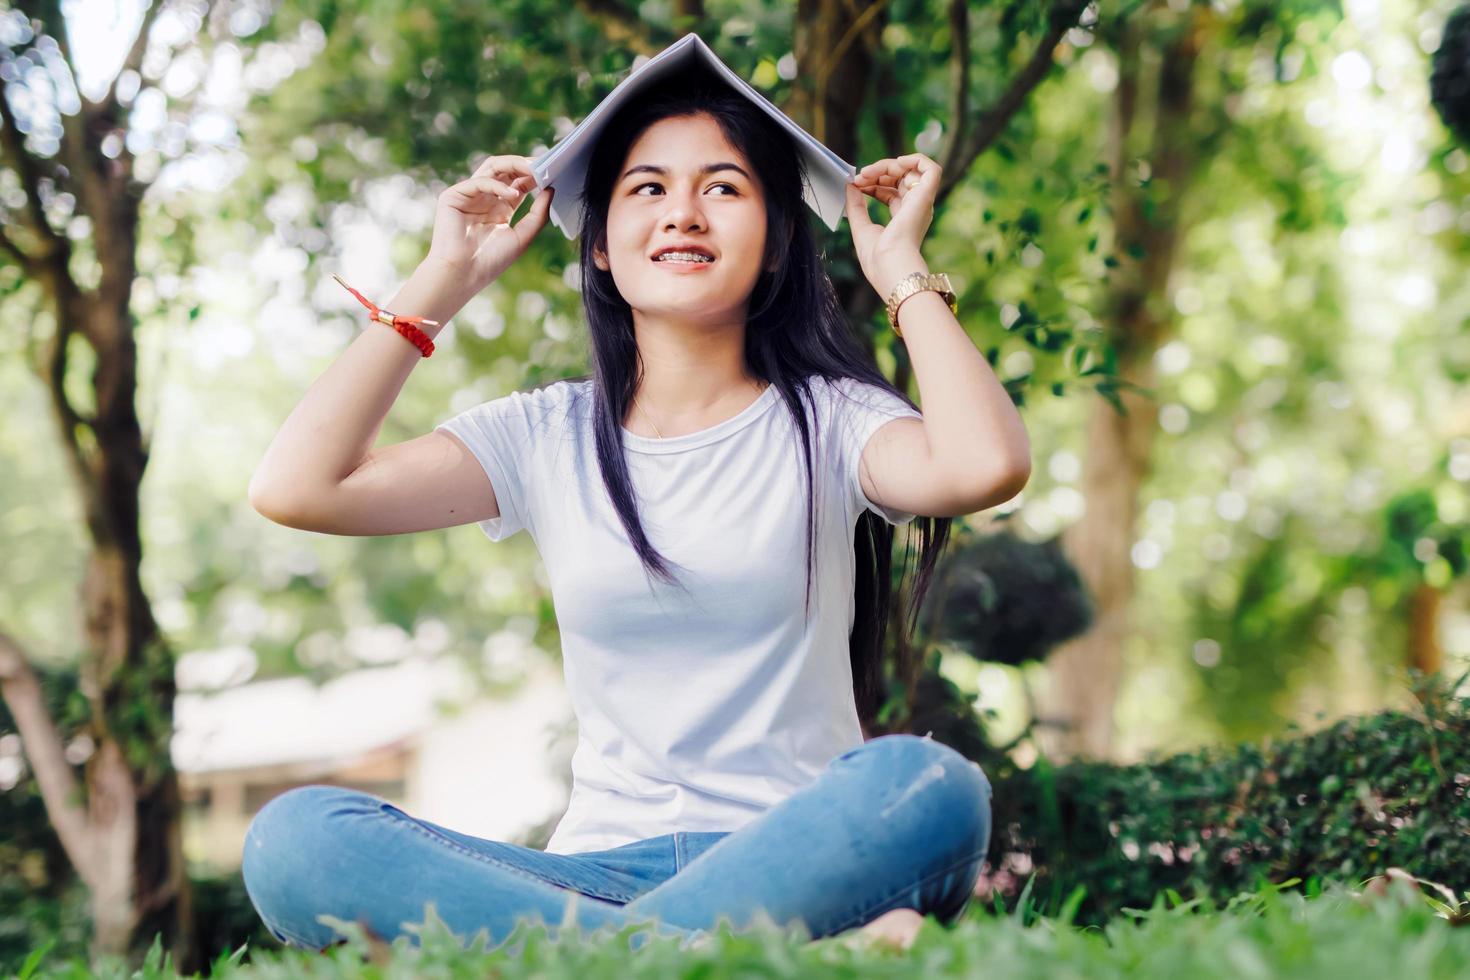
908,185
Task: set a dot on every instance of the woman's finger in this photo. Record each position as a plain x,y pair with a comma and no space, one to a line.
897,177
886,195
508,168
489,185
504,167
534,220
859,223
898,166
882,179
484,196
882,171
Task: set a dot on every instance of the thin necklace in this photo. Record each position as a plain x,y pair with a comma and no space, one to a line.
655,424
646,415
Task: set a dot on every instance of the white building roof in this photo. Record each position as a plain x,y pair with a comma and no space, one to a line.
290,719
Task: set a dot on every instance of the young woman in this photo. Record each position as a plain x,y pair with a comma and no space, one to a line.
715,506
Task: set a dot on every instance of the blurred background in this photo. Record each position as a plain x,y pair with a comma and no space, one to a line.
1215,250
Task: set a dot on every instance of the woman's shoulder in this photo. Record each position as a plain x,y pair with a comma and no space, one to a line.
547,404
559,392
557,397
847,393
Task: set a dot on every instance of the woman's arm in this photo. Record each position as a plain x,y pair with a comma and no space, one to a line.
971,451
321,473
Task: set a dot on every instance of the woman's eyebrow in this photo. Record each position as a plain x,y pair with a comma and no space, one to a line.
708,168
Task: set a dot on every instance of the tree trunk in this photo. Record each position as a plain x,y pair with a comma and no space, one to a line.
1425,653
1086,673
131,852
827,101
120,824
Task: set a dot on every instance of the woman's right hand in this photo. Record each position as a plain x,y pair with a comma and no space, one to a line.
472,229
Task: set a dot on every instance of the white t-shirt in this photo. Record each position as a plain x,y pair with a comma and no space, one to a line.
697,710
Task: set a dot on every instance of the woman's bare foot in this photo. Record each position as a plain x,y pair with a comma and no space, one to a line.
895,929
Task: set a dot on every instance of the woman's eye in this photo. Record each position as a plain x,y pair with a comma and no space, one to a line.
640,187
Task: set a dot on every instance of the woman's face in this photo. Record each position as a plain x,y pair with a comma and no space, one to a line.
721,211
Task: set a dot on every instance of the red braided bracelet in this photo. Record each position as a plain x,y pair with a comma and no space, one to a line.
403,324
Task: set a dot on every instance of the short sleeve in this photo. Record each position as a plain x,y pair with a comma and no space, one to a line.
859,410
503,434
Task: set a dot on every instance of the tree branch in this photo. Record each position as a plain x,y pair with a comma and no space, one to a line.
134,59
621,25
890,121
13,250
890,115
12,143
21,690
53,366
50,23
688,15
53,24
48,12
853,32
1064,16
959,83
833,58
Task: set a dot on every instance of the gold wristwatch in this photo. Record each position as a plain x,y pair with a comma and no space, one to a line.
917,282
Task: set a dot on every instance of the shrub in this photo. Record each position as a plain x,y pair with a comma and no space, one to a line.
1343,803
1449,80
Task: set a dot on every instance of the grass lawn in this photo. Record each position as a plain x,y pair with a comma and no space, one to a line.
1272,933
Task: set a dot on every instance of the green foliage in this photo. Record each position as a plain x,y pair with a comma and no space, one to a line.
944,711
40,896
1264,933
1449,83
224,918
1007,600
1254,641
1343,803
58,919
1419,545
998,598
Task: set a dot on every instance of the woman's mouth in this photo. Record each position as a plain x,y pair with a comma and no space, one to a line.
682,265
683,261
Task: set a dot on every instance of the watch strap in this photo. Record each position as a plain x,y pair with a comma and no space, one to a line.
918,282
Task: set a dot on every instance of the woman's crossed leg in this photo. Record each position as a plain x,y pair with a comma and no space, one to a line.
899,822
329,850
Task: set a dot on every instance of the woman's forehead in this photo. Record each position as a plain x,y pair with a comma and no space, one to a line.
682,137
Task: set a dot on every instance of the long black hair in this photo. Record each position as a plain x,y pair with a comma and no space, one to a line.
796,331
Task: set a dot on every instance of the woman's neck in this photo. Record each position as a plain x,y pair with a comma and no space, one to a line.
691,372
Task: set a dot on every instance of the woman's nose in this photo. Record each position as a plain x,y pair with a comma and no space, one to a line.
683,211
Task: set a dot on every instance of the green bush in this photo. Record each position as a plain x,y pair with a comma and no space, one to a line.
1343,803
1267,934
1003,599
40,895
224,919
1449,81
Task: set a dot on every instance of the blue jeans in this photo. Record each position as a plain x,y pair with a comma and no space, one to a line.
898,822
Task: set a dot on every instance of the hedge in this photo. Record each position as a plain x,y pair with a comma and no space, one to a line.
1343,803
